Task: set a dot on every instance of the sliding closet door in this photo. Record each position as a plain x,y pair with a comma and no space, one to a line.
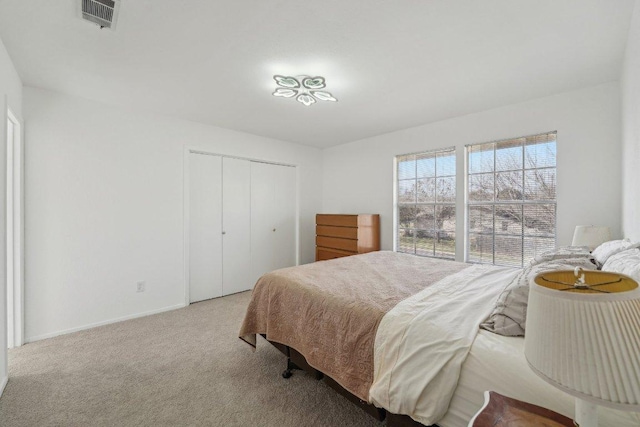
262,189
285,196
236,225
273,208
205,227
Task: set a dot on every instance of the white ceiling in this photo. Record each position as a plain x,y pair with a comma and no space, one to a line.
391,64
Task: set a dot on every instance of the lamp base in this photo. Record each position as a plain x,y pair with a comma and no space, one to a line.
586,414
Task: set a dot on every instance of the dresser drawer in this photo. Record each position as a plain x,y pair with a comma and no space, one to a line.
323,254
337,220
342,232
337,243
346,234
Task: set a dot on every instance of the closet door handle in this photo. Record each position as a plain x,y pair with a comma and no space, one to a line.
274,229
224,232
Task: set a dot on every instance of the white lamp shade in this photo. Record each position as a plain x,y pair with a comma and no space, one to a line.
590,235
587,344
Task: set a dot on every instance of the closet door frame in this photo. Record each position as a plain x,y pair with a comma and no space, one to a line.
186,191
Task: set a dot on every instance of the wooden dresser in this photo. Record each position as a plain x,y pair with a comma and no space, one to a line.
344,235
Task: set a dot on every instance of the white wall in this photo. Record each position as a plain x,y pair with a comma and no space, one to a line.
358,177
630,88
11,96
104,207
10,83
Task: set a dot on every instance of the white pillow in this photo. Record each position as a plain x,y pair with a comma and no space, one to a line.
605,250
565,252
625,262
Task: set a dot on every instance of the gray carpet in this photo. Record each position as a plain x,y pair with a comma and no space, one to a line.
181,368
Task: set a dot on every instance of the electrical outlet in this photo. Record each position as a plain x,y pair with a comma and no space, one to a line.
141,286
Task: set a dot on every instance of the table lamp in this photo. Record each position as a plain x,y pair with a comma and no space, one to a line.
590,235
583,337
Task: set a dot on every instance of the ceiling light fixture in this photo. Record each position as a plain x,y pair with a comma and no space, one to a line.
303,88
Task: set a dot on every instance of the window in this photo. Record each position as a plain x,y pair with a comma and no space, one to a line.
426,204
511,199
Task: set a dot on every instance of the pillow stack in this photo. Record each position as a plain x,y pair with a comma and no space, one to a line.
625,262
603,252
508,317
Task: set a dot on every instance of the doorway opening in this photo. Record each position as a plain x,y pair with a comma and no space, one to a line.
14,250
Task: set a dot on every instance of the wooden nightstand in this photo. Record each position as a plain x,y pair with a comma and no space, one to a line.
502,411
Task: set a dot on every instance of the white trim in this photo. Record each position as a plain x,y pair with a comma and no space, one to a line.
4,358
465,211
209,152
3,384
185,223
10,137
395,204
17,254
298,215
104,322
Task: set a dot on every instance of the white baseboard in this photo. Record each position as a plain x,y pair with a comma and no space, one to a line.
3,384
104,322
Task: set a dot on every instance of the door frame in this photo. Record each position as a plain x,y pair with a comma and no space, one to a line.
15,235
186,200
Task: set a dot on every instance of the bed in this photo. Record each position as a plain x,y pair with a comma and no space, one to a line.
401,333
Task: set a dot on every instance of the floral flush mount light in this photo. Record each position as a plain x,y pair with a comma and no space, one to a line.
305,89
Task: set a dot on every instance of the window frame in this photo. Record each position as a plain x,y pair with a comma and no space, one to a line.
498,230
435,253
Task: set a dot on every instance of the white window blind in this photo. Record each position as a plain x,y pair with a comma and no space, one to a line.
426,203
511,199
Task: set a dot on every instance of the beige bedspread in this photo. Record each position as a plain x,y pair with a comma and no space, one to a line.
330,311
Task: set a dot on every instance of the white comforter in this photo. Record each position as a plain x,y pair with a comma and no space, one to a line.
422,343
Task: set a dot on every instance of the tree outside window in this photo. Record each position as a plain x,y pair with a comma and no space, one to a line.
511,199
426,211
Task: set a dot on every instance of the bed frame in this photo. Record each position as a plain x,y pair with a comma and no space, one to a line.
296,361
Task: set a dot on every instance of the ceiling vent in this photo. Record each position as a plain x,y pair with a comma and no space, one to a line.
101,12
